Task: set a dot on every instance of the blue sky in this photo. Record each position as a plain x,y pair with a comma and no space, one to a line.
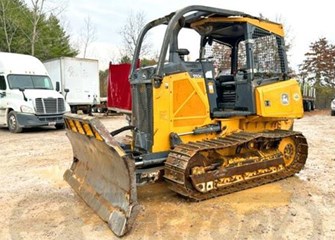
306,21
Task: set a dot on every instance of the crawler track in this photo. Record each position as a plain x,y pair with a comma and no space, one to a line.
267,164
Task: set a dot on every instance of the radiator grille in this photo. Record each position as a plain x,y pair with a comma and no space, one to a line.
142,115
49,105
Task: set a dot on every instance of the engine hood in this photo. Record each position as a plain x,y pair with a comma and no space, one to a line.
41,93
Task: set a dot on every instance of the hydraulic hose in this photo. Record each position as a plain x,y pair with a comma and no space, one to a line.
120,130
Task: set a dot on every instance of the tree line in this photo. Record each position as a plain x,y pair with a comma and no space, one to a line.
32,30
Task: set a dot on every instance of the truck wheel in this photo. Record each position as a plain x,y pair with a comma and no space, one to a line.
309,107
60,126
332,113
74,109
12,122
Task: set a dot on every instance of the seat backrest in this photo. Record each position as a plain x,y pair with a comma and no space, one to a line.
225,78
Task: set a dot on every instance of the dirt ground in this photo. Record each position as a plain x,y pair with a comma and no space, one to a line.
35,202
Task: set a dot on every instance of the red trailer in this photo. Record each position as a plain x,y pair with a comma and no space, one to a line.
119,93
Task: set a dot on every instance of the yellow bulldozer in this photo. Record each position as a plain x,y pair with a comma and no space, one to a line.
219,124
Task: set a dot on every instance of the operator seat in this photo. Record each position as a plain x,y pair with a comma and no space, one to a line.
226,91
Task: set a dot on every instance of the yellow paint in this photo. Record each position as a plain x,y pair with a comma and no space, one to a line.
83,126
88,130
79,127
258,123
72,125
272,27
281,99
97,135
180,105
287,147
286,124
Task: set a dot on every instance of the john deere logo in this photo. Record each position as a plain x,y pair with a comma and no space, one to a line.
285,99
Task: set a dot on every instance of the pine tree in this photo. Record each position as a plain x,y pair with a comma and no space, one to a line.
319,65
53,41
50,41
12,22
318,69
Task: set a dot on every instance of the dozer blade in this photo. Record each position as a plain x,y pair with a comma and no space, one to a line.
101,173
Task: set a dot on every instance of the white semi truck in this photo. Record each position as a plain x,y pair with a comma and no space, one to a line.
81,77
27,95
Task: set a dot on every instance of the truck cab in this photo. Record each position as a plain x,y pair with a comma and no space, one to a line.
27,96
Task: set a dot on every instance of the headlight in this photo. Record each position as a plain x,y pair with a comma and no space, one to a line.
67,107
26,109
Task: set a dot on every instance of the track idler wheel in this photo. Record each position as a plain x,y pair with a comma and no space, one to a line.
288,148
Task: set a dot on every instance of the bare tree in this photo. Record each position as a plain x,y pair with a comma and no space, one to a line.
7,18
130,31
39,9
87,34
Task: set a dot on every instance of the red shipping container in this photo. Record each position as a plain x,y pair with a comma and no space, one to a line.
119,94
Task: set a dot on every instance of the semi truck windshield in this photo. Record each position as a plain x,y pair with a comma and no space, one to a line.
29,82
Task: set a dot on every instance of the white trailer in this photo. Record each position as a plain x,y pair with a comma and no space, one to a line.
308,96
78,79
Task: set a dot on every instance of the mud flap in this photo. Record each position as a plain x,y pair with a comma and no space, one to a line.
101,173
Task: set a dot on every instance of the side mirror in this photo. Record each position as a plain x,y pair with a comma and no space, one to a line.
182,51
2,94
24,95
57,86
66,90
